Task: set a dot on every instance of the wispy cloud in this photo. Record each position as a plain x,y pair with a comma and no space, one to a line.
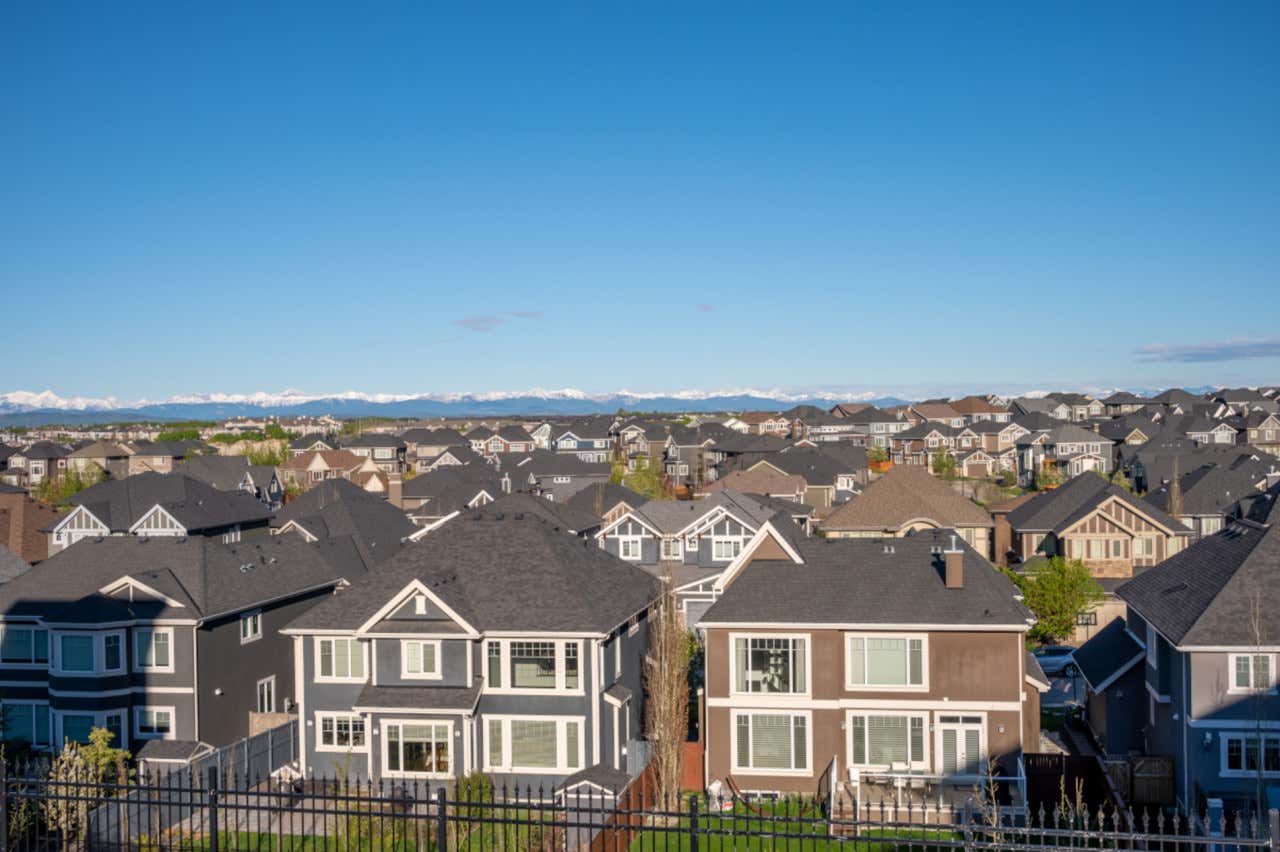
484,323
1235,349
527,314
705,308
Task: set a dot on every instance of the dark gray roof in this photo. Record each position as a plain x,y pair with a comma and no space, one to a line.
856,581
433,437
612,781
1205,594
546,463
422,698
1110,652
170,449
1213,489
1034,670
451,488
339,507
618,692
560,515
373,439
11,565
504,574
224,473
306,442
817,467
1055,510
204,576
44,450
599,497
672,516
120,503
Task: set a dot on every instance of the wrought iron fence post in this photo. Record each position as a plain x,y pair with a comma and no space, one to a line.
1273,824
213,816
693,822
442,821
4,805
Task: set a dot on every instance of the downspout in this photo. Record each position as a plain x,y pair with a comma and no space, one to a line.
195,659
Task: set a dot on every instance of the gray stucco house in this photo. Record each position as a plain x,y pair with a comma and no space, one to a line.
157,639
496,644
1207,618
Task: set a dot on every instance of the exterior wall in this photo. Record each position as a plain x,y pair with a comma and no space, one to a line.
1105,612
22,521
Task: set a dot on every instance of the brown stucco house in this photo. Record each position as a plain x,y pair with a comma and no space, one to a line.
872,657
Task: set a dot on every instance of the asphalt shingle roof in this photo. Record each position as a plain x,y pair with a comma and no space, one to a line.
120,503
903,494
1110,651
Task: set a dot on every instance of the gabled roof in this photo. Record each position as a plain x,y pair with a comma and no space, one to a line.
11,565
758,480
1110,653
1207,594
337,507
560,515
307,441
670,517
188,578
383,440
1056,510
168,449
817,467
100,450
335,459
601,497
433,437
869,582
121,503
518,575
44,450
1213,489
224,473
547,463
906,493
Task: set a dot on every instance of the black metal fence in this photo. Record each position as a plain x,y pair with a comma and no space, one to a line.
43,814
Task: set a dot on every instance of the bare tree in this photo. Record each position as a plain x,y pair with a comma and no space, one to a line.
1174,504
1258,635
667,707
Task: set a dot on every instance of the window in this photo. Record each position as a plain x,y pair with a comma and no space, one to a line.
495,665
546,743
571,665
382,453
420,659
76,727
418,749
153,649
560,480
24,645
1088,618
27,722
153,722
1240,754
340,659
267,695
75,653
725,549
340,732
1252,672
1117,548
1097,548
533,665
1153,659
885,661
887,740
770,664
672,549
250,626
629,548
1209,526
112,659
771,742
1144,546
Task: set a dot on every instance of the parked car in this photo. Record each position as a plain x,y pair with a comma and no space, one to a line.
1056,659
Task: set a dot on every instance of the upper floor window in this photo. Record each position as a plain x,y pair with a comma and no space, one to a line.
89,653
1153,659
420,658
533,665
153,649
885,661
250,626
23,645
629,548
770,664
1252,672
725,549
383,453
340,659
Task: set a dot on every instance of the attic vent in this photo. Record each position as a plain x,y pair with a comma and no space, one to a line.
246,567
888,548
935,549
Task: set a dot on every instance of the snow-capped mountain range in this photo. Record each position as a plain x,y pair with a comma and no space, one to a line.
32,408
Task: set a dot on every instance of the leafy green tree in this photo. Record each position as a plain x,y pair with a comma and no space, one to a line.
59,490
1048,477
1118,478
182,433
76,776
877,453
1057,592
944,465
277,432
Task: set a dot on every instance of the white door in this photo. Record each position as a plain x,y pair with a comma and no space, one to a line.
961,745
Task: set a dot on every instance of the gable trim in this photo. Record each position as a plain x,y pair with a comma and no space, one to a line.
416,587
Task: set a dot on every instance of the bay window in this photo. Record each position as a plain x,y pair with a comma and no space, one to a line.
75,652
534,743
885,661
24,645
28,722
771,742
340,659
887,740
770,664
418,748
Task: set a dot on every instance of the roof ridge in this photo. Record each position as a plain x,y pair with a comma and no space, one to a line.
1234,572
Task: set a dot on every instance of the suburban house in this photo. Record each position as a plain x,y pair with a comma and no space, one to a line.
110,458
1068,449
1207,619
555,476
309,467
424,446
172,640
589,440
25,522
1208,497
386,450
828,478
235,473
311,443
844,655
161,456
506,439
1262,430
156,505
934,412
337,509
30,465
1121,403
1115,688
765,423
762,479
430,498
908,500
877,426
1081,406
436,665
981,409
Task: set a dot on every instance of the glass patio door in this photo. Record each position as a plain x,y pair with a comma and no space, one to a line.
961,744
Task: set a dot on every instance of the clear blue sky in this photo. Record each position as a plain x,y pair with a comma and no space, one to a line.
222,197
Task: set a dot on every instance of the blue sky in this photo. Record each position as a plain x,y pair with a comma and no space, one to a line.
223,197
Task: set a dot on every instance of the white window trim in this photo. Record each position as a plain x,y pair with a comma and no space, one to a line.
321,715
925,763
637,540
364,653
1232,689
172,734
257,692
850,686
137,648
739,769
559,689
386,746
740,541
561,767
252,637
438,674
48,648
983,745
808,664
99,654
1244,737
679,548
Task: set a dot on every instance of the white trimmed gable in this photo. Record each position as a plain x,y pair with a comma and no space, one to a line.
158,522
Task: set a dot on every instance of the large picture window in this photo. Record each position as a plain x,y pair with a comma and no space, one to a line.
887,740
75,652
770,664
24,645
418,749
533,665
340,659
1240,754
885,661
534,743
771,742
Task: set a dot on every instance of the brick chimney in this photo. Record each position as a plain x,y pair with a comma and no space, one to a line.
395,490
954,572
